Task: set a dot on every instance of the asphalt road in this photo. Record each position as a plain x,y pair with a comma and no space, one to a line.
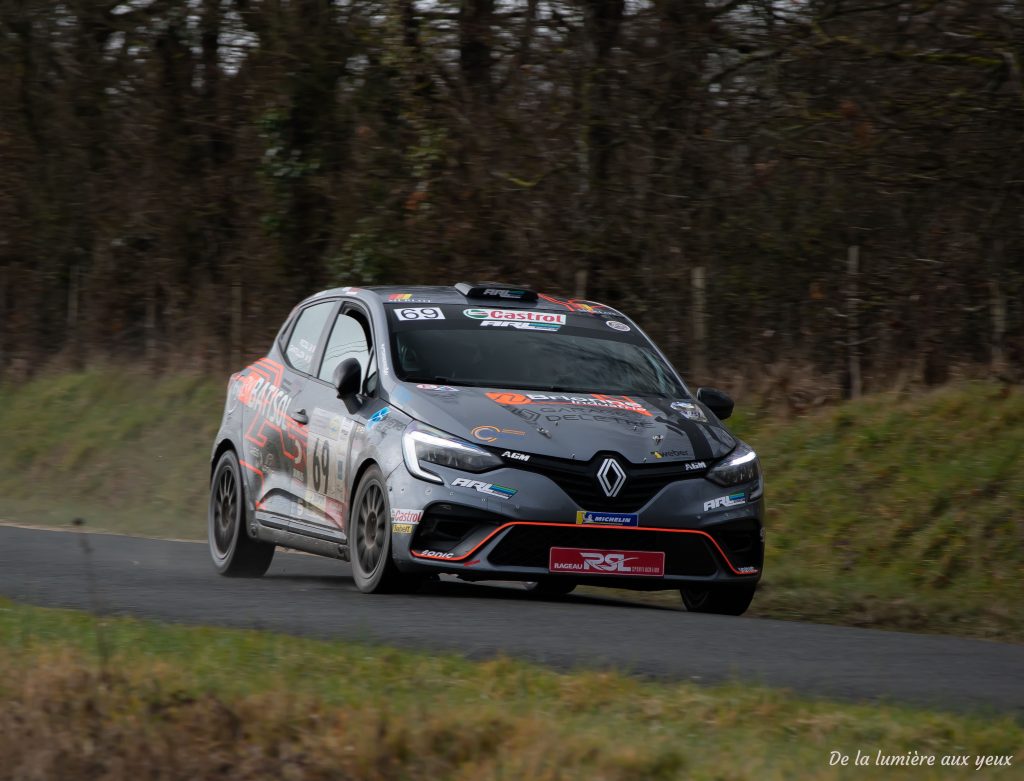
305,595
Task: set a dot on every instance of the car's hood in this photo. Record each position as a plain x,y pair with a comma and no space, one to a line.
570,425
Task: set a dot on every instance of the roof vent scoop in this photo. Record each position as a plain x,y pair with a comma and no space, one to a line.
496,290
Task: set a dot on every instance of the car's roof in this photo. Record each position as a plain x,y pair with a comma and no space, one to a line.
448,294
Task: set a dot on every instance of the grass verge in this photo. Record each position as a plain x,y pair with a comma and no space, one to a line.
891,511
87,697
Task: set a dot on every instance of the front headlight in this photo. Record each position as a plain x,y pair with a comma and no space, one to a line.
741,466
423,445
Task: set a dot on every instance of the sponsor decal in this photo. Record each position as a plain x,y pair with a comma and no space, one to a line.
672,454
502,292
689,410
586,518
406,516
420,313
695,466
597,418
438,388
606,562
526,414
327,424
436,554
515,456
490,489
400,297
491,433
747,570
599,400
384,360
517,318
520,326
581,305
617,326
402,528
725,501
377,417
266,398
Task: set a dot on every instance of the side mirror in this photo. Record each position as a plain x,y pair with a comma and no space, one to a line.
348,377
716,401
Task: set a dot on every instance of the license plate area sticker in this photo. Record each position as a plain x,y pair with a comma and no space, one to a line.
590,561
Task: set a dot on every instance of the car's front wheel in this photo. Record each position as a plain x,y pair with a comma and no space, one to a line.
725,600
373,569
233,551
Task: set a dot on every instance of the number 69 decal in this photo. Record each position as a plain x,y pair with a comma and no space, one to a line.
420,313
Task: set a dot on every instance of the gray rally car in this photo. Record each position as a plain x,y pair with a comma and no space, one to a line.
488,432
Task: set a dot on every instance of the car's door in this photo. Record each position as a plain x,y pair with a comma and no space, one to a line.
327,490
276,434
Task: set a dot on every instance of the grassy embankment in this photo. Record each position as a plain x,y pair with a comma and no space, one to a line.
82,697
891,511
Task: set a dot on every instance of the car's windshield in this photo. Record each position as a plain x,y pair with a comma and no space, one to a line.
568,352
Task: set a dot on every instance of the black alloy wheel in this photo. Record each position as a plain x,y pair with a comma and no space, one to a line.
234,552
373,569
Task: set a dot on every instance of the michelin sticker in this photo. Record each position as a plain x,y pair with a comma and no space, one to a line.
732,500
584,518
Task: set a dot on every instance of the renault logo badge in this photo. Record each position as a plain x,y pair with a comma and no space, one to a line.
611,477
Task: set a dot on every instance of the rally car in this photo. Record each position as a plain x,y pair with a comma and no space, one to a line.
489,432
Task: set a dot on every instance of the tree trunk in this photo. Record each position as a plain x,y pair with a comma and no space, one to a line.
852,323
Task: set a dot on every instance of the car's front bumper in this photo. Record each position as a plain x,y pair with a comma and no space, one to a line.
443,528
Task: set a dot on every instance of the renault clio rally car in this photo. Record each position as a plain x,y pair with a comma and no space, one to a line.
488,432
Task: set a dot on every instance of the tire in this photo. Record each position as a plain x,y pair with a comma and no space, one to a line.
234,552
373,568
551,587
723,600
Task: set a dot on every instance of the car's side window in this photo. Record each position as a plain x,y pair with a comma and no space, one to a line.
348,340
305,337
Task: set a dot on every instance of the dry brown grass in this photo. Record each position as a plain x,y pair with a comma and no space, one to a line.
63,719
111,699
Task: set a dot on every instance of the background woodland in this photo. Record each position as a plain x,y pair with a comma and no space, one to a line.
812,199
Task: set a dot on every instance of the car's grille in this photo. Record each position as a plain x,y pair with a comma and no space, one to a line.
579,479
529,546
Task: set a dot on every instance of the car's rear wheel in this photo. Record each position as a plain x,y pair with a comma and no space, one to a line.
233,551
373,569
724,600
550,587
